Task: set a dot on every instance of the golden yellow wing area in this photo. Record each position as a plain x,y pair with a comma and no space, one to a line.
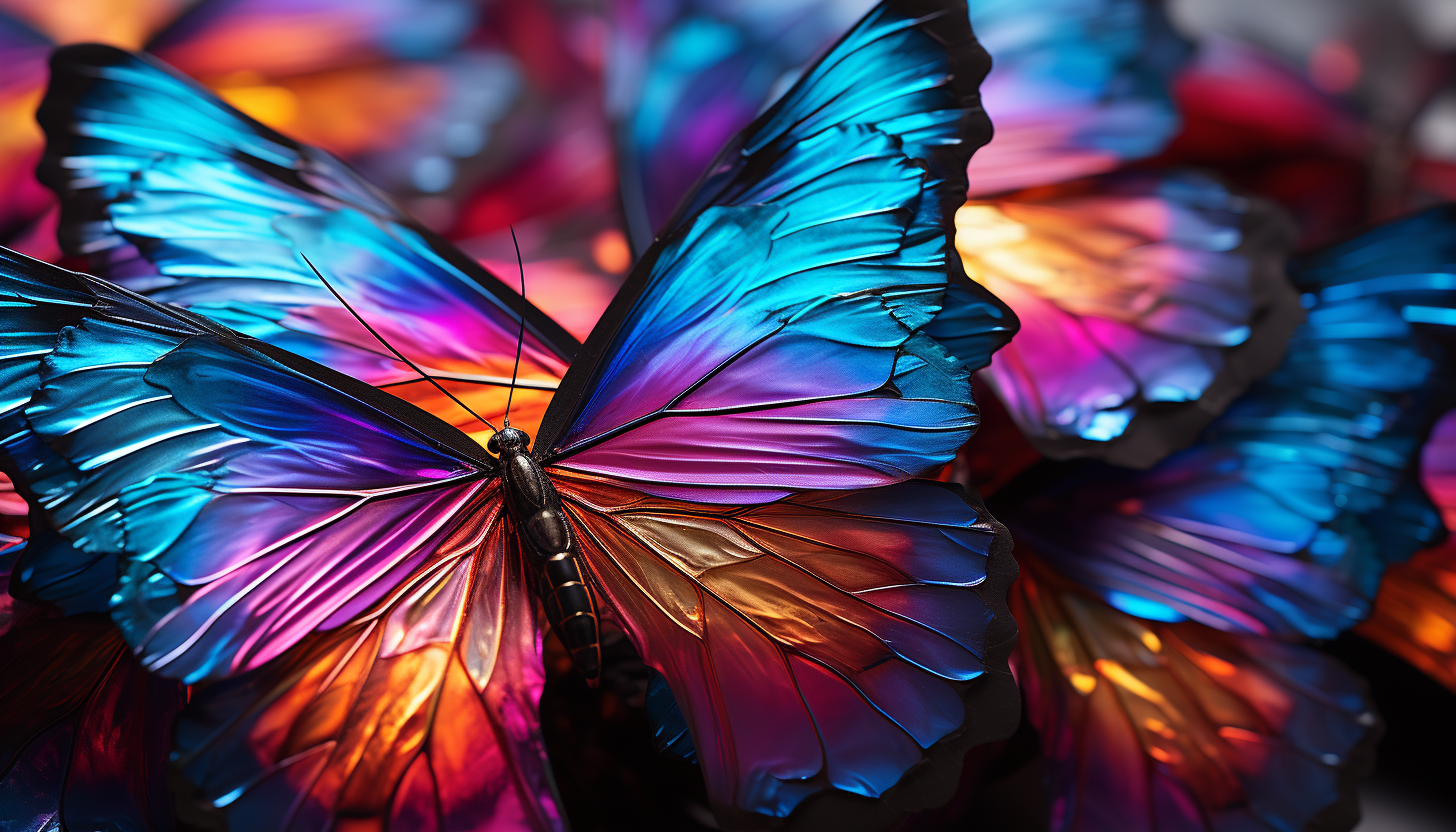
421,714
1154,726
1131,289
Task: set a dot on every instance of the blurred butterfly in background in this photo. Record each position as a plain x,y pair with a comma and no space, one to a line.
285,501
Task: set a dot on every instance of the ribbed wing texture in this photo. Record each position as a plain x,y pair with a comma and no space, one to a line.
84,732
420,715
244,496
821,641
1078,87
1283,518
174,194
1148,303
787,334
1150,727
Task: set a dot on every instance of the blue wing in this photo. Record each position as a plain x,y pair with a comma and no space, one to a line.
1283,518
244,496
790,330
171,193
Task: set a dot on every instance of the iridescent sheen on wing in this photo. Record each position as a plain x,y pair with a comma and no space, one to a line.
830,213
784,706
684,76
1078,87
1152,727
218,216
1148,303
1283,518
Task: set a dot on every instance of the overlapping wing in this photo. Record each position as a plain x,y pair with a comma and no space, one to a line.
1078,87
1282,520
420,715
176,195
684,76
1150,727
799,326
821,641
1414,615
244,496
1148,303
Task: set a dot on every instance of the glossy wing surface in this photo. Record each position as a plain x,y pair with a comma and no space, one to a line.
174,194
1148,303
800,327
1077,87
421,714
1150,727
1283,518
821,641
244,496
84,732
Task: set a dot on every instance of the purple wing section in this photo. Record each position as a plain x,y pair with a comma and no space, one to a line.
789,333
244,496
1147,304
1077,87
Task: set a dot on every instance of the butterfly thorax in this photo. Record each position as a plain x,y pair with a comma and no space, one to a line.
535,511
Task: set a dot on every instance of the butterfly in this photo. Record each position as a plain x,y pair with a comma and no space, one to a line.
1282,519
729,469
1148,300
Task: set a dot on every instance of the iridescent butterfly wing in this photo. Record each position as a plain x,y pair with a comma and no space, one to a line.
171,193
848,190
1154,727
1283,518
249,498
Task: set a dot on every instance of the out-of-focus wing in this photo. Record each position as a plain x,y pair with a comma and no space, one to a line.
1150,727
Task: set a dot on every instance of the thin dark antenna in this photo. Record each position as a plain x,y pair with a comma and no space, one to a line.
520,338
397,354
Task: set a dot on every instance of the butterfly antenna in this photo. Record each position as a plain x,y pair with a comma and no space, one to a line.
521,336
397,354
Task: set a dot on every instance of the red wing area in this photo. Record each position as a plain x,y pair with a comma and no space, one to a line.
1150,726
1414,615
84,732
822,641
420,716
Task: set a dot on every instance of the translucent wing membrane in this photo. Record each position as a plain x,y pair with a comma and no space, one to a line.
1147,302
84,732
838,352
243,495
171,193
420,715
896,598
1282,520
1151,727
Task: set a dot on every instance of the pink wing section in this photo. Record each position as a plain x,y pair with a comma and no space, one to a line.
1147,304
823,641
420,715
1151,727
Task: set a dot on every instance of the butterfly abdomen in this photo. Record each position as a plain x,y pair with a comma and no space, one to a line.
550,548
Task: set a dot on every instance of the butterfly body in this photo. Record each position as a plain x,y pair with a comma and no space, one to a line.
534,507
